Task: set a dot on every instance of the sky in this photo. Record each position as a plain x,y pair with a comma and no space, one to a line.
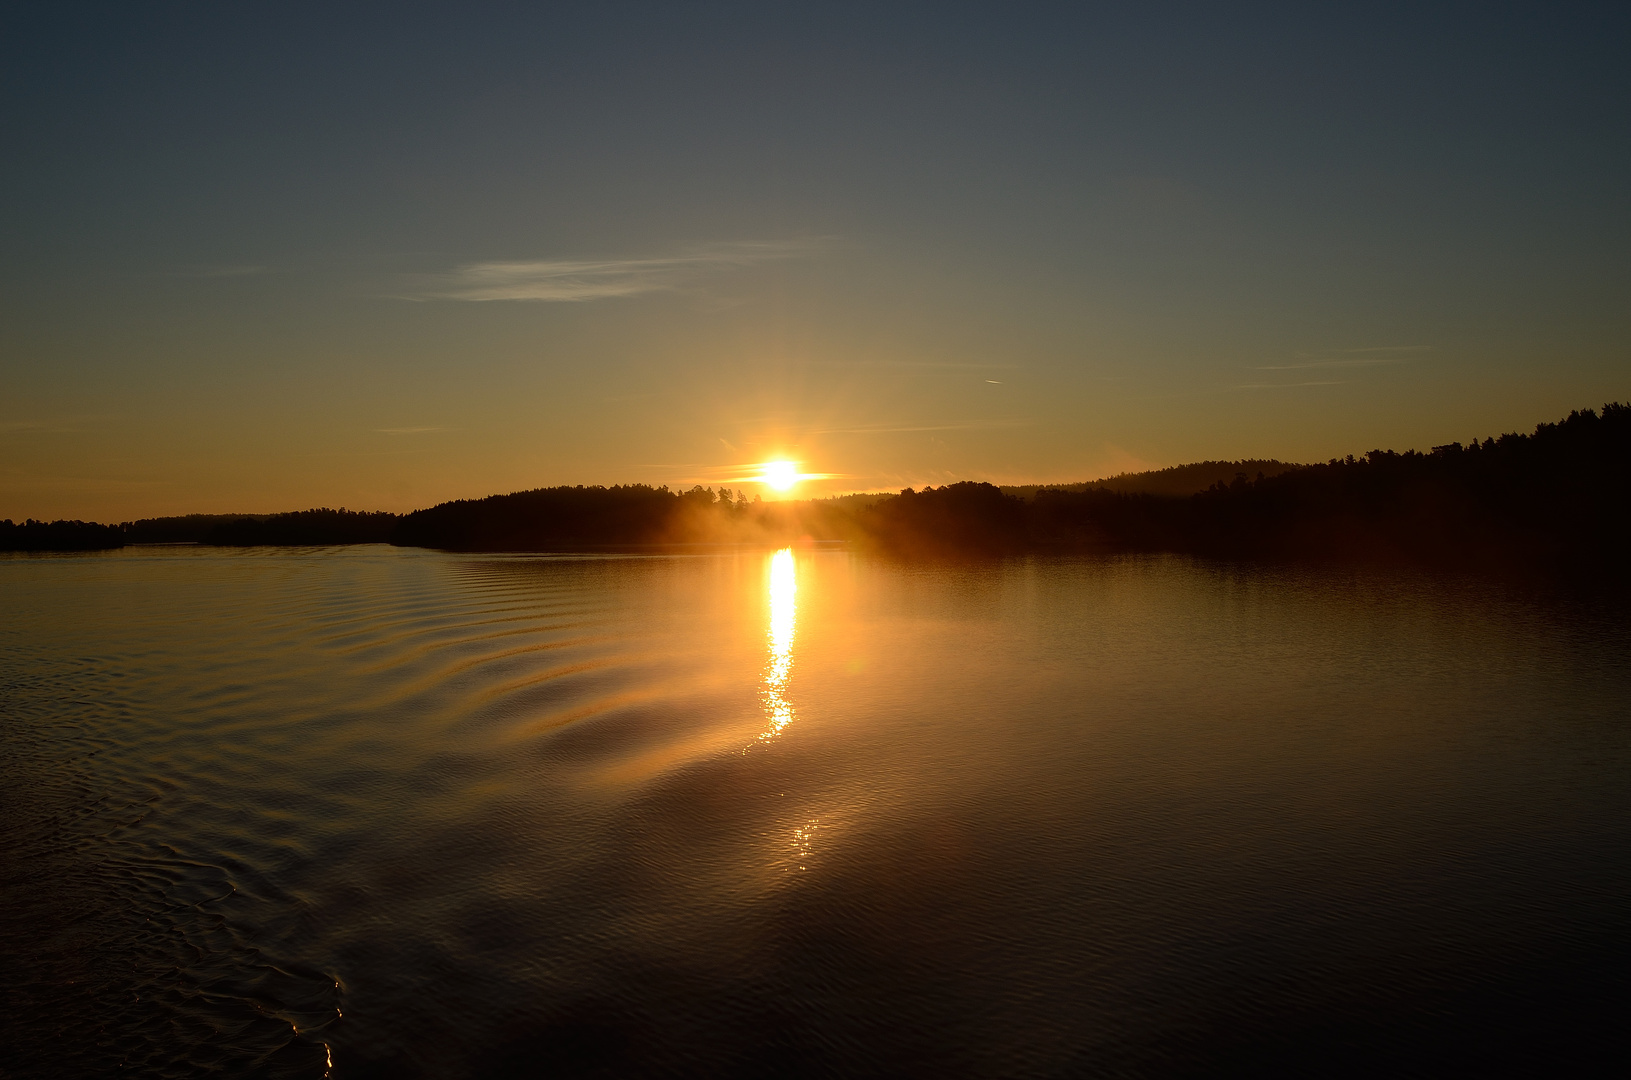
257,258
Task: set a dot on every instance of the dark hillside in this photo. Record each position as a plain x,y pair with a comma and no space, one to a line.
1554,503
1558,499
1175,482
305,527
188,529
964,518
34,535
546,518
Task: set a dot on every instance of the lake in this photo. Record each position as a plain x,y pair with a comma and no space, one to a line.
390,812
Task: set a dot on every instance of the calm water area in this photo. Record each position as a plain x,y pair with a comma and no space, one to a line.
378,812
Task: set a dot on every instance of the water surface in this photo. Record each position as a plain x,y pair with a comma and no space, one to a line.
379,812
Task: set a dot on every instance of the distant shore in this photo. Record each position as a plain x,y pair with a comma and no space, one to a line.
1556,502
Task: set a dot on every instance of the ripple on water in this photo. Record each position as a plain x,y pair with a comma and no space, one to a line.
426,814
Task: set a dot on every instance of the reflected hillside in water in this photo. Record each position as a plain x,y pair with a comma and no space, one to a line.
804,811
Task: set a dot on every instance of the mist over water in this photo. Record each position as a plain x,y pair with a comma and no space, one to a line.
385,812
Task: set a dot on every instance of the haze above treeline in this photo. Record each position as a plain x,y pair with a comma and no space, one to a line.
1553,503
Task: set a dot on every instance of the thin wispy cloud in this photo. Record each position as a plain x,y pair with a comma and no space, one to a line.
1346,362
1375,356
933,365
223,271
581,280
53,427
1290,385
975,425
708,473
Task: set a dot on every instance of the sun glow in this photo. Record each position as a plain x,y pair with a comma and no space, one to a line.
780,475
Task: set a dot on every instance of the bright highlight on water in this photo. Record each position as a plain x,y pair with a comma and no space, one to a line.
783,593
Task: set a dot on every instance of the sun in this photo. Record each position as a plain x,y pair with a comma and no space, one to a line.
780,475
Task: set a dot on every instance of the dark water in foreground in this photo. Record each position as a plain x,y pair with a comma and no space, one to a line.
807,814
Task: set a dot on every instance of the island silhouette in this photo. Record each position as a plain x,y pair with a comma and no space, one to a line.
1555,502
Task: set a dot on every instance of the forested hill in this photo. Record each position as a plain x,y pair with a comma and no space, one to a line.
303,527
1556,501
548,518
1178,481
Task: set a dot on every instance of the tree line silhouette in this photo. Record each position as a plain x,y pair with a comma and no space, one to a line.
1557,500
1178,481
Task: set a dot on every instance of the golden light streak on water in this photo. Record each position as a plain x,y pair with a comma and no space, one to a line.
802,838
783,589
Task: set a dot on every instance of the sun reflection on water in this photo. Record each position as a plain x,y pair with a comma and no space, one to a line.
779,664
802,842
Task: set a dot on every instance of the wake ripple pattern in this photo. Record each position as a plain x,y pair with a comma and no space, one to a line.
189,737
